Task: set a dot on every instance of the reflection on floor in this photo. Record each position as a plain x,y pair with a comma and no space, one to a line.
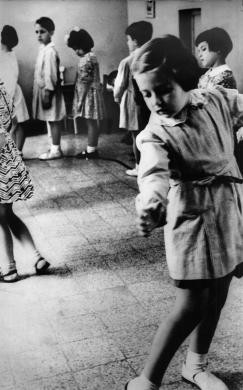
89,322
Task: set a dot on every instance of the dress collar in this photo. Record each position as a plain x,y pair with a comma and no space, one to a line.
219,69
197,99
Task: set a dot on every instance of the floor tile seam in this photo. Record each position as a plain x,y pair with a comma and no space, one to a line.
78,370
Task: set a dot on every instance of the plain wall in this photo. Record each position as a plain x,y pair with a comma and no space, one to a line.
105,20
227,14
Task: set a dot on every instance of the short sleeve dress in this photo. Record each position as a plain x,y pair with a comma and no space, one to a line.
88,100
15,182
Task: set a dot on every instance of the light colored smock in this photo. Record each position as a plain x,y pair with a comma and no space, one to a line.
47,76
188,168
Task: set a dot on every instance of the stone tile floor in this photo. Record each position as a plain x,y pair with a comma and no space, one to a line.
89,322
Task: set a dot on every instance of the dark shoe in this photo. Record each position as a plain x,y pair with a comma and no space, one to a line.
11,277
41,266
87,156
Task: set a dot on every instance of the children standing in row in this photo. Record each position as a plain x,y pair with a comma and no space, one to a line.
187,176
48,101
88,101
124,92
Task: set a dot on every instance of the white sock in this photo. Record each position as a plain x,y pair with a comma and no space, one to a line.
141,383
196,361
55,148
91,149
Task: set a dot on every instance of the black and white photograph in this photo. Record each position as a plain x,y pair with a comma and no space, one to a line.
121,195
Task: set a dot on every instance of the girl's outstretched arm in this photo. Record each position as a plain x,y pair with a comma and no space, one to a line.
153,181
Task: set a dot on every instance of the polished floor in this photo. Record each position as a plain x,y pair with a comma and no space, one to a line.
89,322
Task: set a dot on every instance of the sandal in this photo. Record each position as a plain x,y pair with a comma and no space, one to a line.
11,276
41,266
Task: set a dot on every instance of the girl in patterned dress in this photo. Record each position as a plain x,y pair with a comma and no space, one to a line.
88,101
213,46
190,183
48,102
15,184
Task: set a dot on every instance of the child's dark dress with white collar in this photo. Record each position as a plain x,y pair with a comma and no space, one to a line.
188,167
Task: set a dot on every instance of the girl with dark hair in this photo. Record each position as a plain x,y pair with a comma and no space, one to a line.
213,46
88,101
48,102
133,115
9,73
189,182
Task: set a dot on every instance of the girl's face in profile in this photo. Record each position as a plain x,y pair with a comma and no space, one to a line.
207,57
43,35
131,44
162,95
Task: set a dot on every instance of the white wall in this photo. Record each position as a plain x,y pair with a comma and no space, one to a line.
105,20
227,14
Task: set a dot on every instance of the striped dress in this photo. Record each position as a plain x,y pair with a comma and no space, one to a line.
15,183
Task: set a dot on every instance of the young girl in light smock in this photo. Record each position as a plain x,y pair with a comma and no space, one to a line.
48,101
189,182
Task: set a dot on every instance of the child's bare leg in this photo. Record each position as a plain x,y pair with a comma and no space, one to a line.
134,171
7,256
55,151
55,132
185,316
93,133
202,335
22,233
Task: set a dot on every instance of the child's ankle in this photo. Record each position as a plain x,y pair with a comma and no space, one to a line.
195,361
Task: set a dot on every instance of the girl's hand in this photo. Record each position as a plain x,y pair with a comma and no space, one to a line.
149,219
239,134
47,99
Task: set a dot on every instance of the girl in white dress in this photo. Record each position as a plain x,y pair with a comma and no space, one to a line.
9,73
48,101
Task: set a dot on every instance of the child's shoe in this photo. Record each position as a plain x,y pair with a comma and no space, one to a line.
51,155
88,156
132,172
203,379
41,266
11,277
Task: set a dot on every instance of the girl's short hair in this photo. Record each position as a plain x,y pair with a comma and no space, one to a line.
169,57
9,37
80,40
46,23
140,31
217,39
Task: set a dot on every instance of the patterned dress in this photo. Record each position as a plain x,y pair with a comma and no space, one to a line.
221,75
15,183
88,100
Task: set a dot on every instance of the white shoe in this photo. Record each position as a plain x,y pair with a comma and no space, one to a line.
204,380
50,155
132,172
